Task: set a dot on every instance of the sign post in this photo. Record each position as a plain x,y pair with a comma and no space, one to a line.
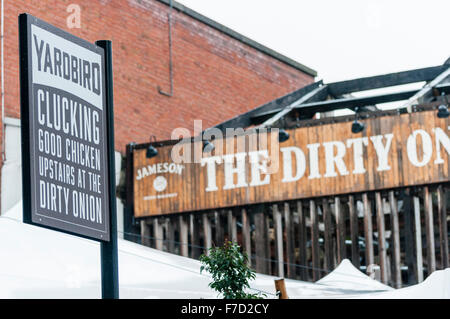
108,250
67,133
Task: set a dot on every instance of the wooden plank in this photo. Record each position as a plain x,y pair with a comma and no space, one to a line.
145,234
368,230
429,230
232,226
219,228
278,240
395,229
328,235
353,102
388,256
268,241
385,80
183,236
194,237
381,239
171,235
285,110
302,241
443,231
280,288
340,229
244,120
427,89
207,232
246,235
410,259
314,240
354,230
418,239
290,257
260,239
158,233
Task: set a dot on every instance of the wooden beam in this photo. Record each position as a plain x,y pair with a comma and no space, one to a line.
290,257
409,240
145,234
443,231
346,103
280,288
268,241
304,99
368,230
395,230
427,89
314,240
194,236
245,120
219,228
340,229
260,239
302,241
171,234
418,237
183,236
353,214
207,232
429,230
278,239
381,238
232,226
385,80
158,233
246,235
328,238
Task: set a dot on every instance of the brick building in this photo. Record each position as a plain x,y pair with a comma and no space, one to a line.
217,73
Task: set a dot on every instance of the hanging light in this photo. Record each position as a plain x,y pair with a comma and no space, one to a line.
443,111
208,146
357,127
151,150
283,136
443,108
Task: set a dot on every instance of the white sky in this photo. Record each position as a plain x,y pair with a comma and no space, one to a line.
342,39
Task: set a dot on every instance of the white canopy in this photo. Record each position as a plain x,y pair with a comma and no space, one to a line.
41,263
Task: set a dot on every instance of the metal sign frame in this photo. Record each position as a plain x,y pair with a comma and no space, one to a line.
32,212
108,241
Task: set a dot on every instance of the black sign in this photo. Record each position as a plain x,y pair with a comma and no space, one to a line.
64,139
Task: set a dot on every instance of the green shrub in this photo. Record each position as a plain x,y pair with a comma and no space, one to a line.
229,270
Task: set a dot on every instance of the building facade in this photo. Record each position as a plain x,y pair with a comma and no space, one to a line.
171,66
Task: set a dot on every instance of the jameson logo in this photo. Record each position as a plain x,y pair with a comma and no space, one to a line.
159,168
67,133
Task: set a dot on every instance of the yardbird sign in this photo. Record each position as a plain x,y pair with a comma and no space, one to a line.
392,151
63,116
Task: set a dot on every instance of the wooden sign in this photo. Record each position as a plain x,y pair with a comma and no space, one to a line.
392,151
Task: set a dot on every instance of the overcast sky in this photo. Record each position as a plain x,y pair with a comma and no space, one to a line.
342,39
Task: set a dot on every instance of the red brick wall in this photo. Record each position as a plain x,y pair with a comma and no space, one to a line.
215,76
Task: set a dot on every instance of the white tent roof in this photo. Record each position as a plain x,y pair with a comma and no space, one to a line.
347,276
41,263
436,286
